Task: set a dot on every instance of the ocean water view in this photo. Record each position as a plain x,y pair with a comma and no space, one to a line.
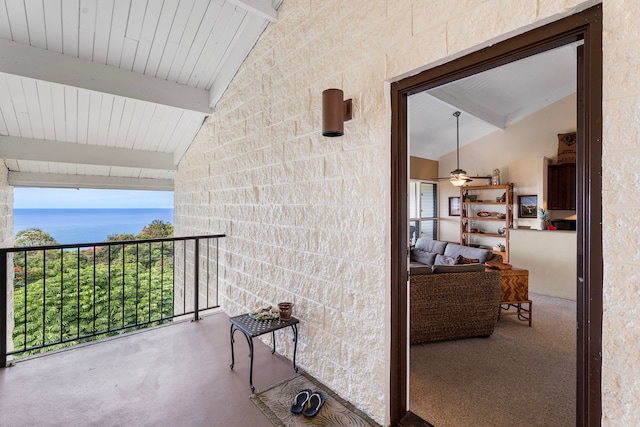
70,226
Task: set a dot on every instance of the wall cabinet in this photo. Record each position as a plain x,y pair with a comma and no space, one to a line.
561,186
486,215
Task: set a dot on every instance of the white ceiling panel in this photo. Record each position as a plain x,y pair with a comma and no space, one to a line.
55,83
3,126
17,14
53,24
70,26
489,101
5,29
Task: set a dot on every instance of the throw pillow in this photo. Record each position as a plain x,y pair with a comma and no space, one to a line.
464,260
423,257
444,260
430,245
453,250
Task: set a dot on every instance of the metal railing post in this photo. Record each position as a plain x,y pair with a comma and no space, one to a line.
196,280
3,311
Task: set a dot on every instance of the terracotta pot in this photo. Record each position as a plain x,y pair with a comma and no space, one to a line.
285,310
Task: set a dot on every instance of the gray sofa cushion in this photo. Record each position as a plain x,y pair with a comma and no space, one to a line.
422,257
460,268
453,250
417,268
444,260
429,245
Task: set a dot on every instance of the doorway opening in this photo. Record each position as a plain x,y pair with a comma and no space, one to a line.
586,27
506,119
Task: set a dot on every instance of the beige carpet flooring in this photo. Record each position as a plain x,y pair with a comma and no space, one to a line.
519,376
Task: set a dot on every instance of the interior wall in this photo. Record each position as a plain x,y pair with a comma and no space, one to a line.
422,169
307,217
516,151
550,257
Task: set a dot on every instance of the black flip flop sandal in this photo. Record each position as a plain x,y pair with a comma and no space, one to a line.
316,400
300,400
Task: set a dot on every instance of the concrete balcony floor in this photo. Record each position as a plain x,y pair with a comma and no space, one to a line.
175,375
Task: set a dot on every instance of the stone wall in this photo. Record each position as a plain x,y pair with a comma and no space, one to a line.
621,201
6,208
306,217
7,240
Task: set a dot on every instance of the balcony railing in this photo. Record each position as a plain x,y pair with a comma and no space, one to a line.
59,295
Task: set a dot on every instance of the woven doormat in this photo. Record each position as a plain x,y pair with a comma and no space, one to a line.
275,403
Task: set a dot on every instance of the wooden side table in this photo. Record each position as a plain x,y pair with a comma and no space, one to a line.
514,294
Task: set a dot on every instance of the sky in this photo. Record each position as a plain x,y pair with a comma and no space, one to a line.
70,198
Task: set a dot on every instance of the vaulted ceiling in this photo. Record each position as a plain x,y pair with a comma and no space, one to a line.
111,93
489,101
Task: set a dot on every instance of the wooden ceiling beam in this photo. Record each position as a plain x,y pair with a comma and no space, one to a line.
17,148
32,62
45,180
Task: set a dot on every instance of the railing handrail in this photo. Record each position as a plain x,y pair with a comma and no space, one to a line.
23,251
108,243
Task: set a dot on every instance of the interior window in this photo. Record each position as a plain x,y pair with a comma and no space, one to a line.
423,210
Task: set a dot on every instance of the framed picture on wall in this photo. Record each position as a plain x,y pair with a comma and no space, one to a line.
528,206
454,206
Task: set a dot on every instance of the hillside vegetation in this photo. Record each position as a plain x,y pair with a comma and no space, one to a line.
68,296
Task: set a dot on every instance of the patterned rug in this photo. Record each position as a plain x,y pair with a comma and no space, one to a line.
275,402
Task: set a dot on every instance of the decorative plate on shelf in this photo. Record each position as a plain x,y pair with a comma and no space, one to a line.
484,214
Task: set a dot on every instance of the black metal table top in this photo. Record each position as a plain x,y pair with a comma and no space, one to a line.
254,327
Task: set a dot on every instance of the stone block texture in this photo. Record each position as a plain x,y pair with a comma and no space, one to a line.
621,228
7,241
307,217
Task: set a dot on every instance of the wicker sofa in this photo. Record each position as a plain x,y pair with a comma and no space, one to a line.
446,304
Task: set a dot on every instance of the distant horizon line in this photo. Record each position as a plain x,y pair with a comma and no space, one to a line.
92,208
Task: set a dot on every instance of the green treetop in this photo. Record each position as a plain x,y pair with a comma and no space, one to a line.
157,230
34,237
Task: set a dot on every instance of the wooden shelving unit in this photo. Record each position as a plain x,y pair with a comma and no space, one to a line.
487,226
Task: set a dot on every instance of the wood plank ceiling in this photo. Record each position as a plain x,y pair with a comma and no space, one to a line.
111,93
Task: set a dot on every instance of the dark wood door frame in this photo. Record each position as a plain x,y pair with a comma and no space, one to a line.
586,26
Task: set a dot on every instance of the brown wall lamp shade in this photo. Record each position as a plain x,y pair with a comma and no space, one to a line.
335,112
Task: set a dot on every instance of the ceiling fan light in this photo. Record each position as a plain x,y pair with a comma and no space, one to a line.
459,172
459,177
458,182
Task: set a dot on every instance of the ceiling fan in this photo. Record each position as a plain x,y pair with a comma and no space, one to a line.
459,176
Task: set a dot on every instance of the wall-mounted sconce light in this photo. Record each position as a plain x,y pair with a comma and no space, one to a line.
335,112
